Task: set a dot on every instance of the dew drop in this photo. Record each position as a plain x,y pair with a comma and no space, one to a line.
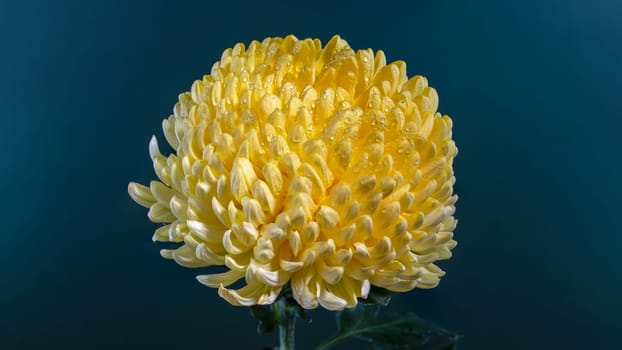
297,47
419,139
365,59
405,147
296,137
248,117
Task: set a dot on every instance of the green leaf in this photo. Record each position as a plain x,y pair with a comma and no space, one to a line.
391,330
292,305
271,316
268,319
302,314
377,296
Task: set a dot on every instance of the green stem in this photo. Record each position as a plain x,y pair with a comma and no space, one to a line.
329,343
287,326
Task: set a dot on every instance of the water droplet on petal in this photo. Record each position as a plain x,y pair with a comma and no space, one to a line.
248,117
297,47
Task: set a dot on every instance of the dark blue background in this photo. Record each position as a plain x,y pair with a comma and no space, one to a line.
533,87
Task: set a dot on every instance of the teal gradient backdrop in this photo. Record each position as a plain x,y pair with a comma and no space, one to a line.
533,87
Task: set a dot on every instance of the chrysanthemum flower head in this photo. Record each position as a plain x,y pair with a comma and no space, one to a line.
322,167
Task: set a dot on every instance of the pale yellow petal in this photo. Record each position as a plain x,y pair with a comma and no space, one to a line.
320,166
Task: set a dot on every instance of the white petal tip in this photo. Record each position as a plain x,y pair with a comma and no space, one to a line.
166,253
365,289
153,147
205,280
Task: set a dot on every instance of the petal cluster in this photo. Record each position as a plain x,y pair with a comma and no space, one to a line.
313,165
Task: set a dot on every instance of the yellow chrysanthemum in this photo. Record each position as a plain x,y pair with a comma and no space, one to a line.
318,166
